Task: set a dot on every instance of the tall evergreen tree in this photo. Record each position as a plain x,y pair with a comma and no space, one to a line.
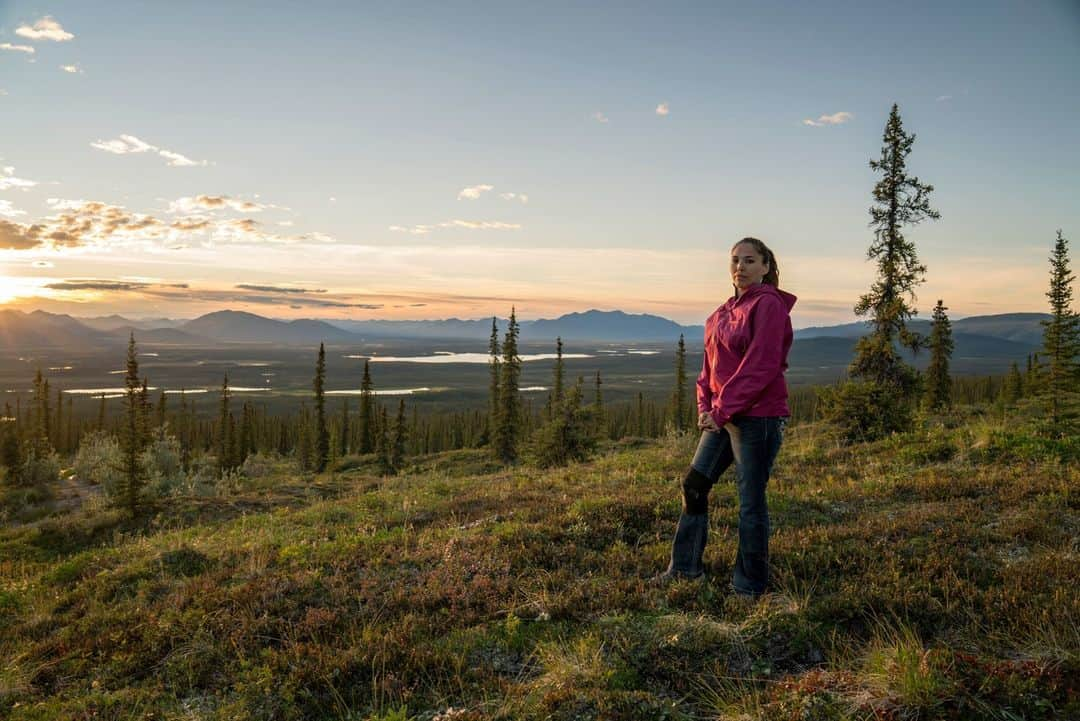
493,385
58,424
133,437
401,438
938,381
367,411
10,457
899,199
1060,365
322,437
509,426
679,396
101,414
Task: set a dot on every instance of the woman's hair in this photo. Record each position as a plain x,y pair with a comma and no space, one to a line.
773,276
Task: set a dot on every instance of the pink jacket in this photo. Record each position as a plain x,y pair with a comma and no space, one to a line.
747,340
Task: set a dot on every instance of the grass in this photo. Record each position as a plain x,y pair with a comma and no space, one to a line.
926,576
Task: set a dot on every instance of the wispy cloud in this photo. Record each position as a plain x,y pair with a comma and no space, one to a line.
7,210
835,119
8,179
474,192
662,109
278,288
126,144
44,29
214,202
521,197
71,69
468,224
599,117
18,48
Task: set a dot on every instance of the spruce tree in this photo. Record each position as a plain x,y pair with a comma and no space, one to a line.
938,381
224,442
493,385
509,425
1060,365
304,446
133,437
367,411
101,414
598,405
58,427
343,436
401,437
10,457
679,397
1013,387
899,199
322,437
382,443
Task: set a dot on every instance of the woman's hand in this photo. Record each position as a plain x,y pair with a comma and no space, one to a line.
705,422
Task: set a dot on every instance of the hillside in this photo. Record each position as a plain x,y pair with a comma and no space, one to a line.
928,576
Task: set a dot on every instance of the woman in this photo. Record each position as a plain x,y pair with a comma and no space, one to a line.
742,411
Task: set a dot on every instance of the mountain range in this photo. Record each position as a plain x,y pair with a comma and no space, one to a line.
980,341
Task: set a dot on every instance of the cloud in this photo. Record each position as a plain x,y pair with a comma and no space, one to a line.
71,68
8,179
16,236
943,98
214,202
515,196
7,210
42,264
44,29
835,119
278,289
599,117
18,48
112,285
469,224
662,109
474,192
126,144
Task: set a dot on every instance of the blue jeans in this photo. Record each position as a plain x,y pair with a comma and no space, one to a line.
759,442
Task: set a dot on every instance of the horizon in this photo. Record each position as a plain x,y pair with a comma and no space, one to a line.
500,319
445,163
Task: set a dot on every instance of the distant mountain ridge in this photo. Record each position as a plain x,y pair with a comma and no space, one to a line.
1012,331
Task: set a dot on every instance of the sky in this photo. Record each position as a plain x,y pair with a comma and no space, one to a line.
414,160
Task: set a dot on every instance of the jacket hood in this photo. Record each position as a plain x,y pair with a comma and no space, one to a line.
764,288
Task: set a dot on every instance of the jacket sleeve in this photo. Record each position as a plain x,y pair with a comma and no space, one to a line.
704,389
760,364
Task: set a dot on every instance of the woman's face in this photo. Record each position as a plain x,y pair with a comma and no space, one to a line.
747,266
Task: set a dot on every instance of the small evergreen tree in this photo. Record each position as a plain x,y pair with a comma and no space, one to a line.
401,438
322,437
224,440
382,444
938,382
571,433
367,411
343,432
305,451
509,425
133,436
1013,387
598,406
1060,367
679,396
493,385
